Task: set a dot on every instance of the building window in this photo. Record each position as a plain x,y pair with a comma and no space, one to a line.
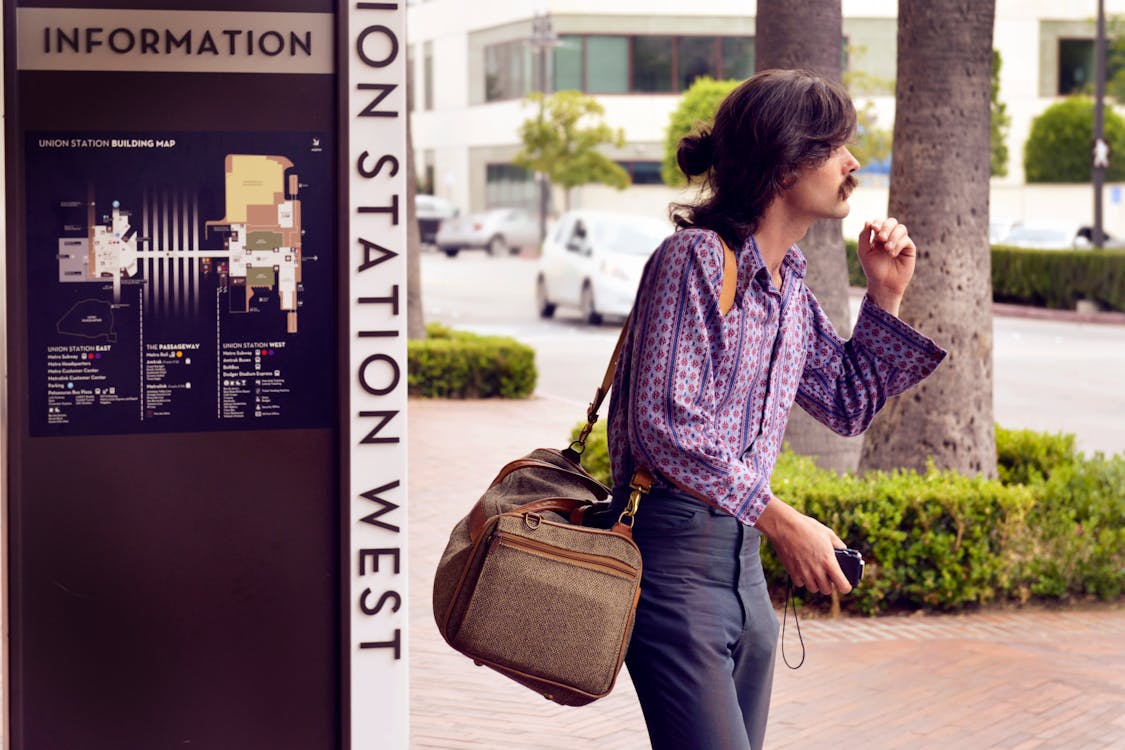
643,172
604,64
1076,65
737,57
509,186
568,63
428,75
509,71
698,57
607,64
652,64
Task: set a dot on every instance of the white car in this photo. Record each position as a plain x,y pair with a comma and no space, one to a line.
431,212
999,228
498,231
592,261
1055,235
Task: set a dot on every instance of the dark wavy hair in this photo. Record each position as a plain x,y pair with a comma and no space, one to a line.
767,129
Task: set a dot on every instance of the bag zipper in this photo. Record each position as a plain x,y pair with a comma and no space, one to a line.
596,487
587,560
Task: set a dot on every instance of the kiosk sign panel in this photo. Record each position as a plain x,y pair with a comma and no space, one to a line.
179,281
205,298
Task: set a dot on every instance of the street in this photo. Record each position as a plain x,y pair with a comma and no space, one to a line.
1049,375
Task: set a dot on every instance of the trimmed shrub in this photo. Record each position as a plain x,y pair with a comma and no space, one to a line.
856,276
1052,528
1026,456
595,458
935,541
1058,147
697,105
1043,278
1080,523
459,364
1054,279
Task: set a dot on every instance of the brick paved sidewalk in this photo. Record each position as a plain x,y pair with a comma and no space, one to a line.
1018,681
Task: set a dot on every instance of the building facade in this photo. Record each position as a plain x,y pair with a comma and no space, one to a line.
473,64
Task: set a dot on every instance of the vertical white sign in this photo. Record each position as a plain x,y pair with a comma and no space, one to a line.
378,692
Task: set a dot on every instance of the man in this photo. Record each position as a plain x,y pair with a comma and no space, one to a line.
724,338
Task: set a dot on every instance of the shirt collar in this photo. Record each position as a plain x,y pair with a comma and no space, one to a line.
794,260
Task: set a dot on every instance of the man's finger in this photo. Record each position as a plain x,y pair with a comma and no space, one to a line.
839,580
866,237
899,237
887,226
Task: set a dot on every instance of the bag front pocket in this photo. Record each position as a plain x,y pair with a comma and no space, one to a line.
556,613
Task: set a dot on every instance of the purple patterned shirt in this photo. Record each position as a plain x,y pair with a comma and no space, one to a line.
702,399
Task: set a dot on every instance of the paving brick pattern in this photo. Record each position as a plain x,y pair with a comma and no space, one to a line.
1013,680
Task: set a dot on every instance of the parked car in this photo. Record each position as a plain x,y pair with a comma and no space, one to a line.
999,228
1056,235
498,231
432,211
592,261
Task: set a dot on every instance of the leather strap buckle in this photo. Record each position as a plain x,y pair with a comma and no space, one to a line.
640,484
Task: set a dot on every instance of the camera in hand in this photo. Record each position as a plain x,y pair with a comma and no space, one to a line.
851,562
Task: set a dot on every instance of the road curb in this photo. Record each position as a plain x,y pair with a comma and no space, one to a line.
1066,316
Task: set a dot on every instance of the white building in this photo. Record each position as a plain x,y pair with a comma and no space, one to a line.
474,63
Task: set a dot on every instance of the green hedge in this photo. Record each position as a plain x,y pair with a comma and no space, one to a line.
1080,531
856,276
1043,278
1058,279
936,540
1051,529
1026,456
458,364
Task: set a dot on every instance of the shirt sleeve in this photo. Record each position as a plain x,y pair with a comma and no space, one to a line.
845,383
673,396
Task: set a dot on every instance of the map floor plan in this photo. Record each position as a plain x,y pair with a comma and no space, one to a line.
262,241
181,281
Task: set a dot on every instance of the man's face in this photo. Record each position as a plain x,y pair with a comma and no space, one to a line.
821,192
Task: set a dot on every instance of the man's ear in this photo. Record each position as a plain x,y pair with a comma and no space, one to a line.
788,178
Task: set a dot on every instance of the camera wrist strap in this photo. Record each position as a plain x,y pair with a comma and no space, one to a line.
789,601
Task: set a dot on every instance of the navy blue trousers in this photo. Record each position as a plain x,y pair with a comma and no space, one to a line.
702,653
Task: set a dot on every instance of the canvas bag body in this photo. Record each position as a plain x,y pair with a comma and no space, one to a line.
525,589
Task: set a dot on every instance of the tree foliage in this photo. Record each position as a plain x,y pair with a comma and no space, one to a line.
1115,59
563,138
1001,121
1059,148
697,106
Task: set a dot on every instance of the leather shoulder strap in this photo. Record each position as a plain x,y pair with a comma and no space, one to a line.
730,279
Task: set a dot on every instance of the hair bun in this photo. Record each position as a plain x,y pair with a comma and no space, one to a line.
696,153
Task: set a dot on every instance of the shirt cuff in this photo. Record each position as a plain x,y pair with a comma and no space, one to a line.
747,508
894,343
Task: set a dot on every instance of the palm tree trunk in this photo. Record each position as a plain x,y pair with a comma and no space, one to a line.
939,188
809,35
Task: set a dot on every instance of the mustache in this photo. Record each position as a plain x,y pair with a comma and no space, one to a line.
850,183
